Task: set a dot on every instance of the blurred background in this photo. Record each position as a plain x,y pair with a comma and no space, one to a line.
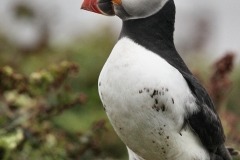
51,54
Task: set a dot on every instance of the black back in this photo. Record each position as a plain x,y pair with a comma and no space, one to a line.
155,33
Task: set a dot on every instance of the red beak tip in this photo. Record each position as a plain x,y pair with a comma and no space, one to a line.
91,5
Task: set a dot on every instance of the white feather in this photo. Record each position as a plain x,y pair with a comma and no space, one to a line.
146,100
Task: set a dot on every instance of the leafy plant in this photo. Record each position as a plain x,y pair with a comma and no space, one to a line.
27,104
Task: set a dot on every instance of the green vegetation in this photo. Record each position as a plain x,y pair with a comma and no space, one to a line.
50,108
49,103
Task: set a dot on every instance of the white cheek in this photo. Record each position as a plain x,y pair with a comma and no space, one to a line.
142,8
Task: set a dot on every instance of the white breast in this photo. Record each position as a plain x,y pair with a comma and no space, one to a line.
146,100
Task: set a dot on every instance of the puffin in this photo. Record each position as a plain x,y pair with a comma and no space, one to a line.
157,107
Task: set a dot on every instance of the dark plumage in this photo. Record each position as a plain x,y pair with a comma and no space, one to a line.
156,34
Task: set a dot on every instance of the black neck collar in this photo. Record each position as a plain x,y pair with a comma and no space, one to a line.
155,32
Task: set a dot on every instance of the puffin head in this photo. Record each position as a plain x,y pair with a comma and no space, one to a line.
125,9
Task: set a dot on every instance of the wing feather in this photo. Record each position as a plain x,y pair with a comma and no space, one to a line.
205,122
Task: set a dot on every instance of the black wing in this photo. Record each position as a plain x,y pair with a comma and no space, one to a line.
206,122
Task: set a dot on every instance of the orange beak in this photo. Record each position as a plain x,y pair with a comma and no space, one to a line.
104,7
